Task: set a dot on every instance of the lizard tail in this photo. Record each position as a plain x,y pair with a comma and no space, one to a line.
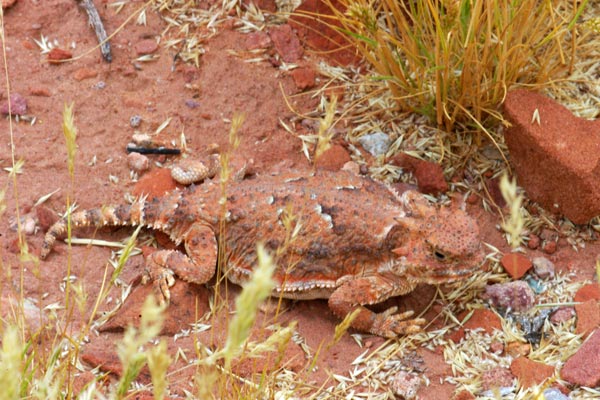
126,215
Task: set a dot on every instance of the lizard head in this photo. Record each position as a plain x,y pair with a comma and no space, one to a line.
436,245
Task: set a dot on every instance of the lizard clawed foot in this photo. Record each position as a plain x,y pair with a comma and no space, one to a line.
389,324
162,278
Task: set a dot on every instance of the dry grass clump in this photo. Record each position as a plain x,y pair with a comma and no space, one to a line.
453,61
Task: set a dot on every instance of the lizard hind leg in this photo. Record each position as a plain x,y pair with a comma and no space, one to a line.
198,266
358,292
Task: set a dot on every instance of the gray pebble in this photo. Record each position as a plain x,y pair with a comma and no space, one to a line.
543,267
376,143
555,394
135,121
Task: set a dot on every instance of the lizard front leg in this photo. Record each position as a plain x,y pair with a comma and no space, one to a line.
355,293
198,266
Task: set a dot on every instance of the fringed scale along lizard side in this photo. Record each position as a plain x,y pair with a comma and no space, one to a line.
336,236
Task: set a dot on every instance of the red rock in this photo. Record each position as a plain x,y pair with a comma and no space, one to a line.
146,46
27,44
317,30
563,314
333,159
583,367
429,175
481,318
304,78
533,242
549,247
40,91
286,43
515,264
558,159
496,378
155,183
464,395
258,40
18,105
517,295
84,73
56,55
530,373
588,316
591,291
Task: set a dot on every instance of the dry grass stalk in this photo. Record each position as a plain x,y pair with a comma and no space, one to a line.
454,61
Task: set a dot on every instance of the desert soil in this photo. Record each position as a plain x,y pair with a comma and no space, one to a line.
200,102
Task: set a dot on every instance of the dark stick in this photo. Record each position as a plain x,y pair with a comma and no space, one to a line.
96,23
151,150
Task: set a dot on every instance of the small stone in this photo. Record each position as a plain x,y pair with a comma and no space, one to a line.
18,105
99,85
588,317
429,175
135,121
406,385
518,349
549,247
333,159
56,55
286,43
554,394
146,46
304,78
543,267
515,264
352,167
84,73
591,291
258,40
583,367
496,378
517,296
561,315
497,348
533,242
530,373
138,162
40,91
376,143
192,103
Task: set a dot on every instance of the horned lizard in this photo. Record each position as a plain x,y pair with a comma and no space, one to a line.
352,240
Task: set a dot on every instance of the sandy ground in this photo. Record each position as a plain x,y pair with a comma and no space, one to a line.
199,102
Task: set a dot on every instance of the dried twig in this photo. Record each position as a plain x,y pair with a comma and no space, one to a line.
151,150
96,23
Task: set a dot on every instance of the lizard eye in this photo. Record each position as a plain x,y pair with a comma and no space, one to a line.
439,255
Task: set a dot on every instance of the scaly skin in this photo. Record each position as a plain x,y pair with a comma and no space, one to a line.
336,236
